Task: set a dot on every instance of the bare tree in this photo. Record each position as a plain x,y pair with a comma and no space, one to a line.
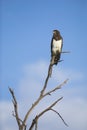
34,125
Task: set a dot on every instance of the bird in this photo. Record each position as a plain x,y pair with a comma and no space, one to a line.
56,47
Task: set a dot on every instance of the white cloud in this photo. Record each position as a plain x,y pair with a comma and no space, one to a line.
73,107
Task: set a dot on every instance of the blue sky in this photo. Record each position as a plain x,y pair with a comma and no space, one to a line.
26,32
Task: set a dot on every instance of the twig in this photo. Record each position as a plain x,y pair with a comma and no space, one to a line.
65,52
59,116
56,88
15,106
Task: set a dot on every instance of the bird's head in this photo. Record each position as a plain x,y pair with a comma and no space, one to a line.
56,34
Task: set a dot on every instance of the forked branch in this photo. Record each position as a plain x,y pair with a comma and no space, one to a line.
35,120
56,88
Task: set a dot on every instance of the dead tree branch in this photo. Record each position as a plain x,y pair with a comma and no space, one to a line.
35,120
20,123
59,116
15,106
56,88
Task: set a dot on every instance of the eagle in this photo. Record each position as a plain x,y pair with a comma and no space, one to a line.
56,47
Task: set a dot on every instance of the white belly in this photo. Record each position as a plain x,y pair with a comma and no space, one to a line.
57,45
